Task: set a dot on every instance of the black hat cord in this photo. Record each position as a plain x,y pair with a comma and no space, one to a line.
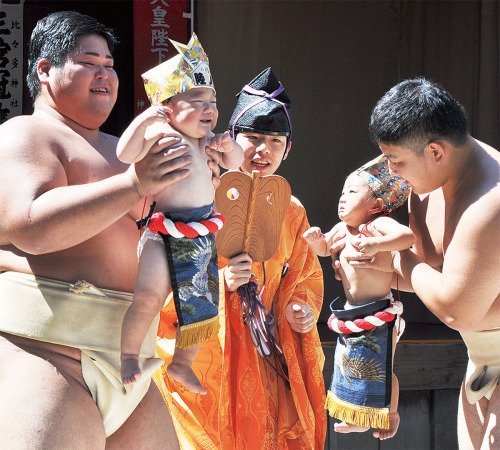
265,96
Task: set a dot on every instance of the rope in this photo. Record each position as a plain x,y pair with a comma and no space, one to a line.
262,327
159,223
368,323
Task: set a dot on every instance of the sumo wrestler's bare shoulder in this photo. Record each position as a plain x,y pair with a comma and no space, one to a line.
32,135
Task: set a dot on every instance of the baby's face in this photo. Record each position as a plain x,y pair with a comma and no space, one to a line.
194,112
355,202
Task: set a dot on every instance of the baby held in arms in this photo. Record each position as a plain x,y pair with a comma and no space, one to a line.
177,250
362,394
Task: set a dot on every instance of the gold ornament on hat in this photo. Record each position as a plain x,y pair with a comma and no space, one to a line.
187,70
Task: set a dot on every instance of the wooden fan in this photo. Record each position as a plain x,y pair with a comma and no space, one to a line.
254,208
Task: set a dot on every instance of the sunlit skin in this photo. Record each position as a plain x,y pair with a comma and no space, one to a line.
422,172
194,112
191,115
454,212
455,265
367,234
263,152
88,70
416,170
355,202
70,222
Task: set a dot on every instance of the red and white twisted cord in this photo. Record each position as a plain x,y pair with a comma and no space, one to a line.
159,223
367,323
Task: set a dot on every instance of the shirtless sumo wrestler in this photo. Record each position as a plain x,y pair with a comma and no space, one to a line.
65,202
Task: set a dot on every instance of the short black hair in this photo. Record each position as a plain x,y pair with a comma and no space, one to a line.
416,112
55,36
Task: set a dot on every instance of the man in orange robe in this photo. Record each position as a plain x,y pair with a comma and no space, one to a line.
254,402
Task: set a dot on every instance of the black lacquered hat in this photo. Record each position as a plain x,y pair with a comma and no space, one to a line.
262,107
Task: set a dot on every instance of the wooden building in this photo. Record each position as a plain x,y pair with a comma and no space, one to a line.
336,58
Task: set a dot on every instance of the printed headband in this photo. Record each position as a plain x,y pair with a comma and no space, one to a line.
392,189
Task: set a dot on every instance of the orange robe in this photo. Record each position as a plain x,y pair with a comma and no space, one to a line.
247,403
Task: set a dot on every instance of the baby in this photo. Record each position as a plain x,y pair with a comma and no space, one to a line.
362,352
178,247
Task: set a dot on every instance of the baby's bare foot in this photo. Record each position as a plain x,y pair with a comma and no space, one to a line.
393,427
130,371
185,375
348,428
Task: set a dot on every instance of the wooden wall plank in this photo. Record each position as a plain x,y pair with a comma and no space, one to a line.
430,366
445,406
415,426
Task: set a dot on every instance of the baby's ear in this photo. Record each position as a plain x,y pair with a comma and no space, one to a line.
168,112
379,203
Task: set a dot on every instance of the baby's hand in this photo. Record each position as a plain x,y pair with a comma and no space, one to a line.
153,114
222,142
366,245
230,151
313,235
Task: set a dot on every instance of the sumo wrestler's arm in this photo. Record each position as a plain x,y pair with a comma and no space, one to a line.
50,204
386,235
464,293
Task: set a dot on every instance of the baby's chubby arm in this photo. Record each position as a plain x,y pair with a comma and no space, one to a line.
390,235
133,144
318,242
230,151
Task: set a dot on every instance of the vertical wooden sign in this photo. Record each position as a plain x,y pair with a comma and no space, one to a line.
155,22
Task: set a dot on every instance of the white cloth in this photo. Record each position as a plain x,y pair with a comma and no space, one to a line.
483,368
82,316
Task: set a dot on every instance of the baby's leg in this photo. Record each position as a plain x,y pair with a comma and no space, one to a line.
393,413
151,289
349,428
180,369
393,418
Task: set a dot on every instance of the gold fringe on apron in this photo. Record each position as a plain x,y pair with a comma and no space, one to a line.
362,416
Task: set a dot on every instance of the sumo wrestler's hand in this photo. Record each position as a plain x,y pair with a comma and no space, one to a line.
338,244
214,164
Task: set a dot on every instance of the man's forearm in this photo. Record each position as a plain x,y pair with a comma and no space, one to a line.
424,280
64,217
400,284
